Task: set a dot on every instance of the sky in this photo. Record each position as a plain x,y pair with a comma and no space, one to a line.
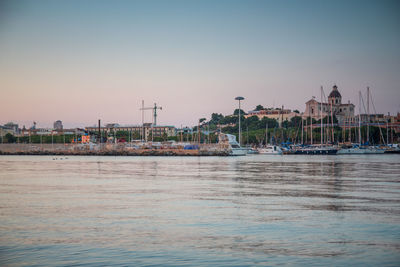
80,61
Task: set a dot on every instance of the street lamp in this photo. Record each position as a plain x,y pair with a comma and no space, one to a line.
239,98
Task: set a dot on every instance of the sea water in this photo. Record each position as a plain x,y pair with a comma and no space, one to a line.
200,211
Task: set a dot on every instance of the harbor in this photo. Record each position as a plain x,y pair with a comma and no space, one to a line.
153,133
327,127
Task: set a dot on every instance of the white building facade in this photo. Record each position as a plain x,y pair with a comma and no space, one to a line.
343,112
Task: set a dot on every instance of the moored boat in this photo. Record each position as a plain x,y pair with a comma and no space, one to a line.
360,150
270,150
234,147
310,150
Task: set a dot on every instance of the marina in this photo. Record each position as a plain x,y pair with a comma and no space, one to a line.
199,133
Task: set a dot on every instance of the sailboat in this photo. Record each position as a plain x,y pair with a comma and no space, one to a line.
360,148
269,149
314,149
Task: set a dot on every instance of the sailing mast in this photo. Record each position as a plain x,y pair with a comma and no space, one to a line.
359,117
349,124
333,134
302,130
387,130
320,111
368,115
311,124
306,129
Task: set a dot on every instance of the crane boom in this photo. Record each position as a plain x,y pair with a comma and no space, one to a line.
154,112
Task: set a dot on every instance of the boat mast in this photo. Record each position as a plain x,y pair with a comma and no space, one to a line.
320,117
349,124
302,130
333,134
266,133
387,130
306,129
311,124
359,117
143,134
368,115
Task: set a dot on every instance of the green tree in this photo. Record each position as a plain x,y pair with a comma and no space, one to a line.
236,112
215,118
259,107
9,138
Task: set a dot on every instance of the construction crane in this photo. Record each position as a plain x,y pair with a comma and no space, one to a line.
154,116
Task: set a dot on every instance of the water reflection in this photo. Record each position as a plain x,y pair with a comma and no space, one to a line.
200,211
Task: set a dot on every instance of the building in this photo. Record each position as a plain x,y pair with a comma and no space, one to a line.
273,113
48,131
10,128
343,112
57,125
373,118
5,130
158,130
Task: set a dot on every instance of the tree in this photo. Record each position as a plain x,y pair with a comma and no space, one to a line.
259,107
164,136
295,121
296,111
216,118
10,138
272,123
236,112
251,123
228,120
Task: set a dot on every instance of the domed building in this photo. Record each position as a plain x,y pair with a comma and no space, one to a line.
343,112
335,98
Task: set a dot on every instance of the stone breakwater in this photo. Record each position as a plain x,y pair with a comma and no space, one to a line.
106,150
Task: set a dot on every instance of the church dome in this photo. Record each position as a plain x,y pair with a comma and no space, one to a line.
335,93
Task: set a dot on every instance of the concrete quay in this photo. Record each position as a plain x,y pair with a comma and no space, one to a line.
106,150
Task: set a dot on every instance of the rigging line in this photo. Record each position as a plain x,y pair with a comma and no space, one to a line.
362,100
380,130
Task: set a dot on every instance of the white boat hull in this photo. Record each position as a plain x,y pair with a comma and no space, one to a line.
270,150
238,151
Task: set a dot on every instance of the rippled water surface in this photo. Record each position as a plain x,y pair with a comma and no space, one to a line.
200,211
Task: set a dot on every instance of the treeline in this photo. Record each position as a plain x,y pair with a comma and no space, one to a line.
38,139
254,130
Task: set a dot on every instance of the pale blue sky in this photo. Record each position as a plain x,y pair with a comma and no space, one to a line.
78,61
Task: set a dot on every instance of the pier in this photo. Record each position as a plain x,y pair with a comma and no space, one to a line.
110,150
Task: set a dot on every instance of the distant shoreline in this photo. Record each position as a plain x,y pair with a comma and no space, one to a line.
74,150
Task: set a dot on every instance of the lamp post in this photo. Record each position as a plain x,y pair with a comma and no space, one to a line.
239,98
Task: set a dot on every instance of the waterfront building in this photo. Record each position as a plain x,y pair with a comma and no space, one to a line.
5,130
273,113
373,118
158,130
57,125
48,131
343,112
10,127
